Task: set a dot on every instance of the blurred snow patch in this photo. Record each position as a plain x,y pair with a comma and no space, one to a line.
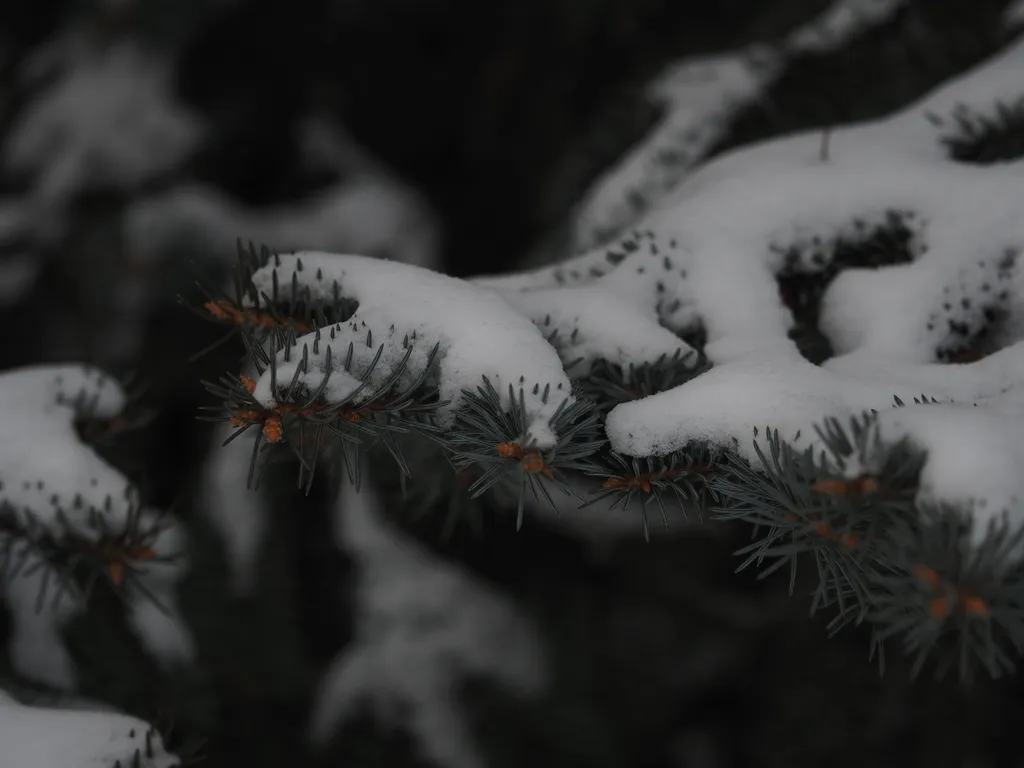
107,120
423,626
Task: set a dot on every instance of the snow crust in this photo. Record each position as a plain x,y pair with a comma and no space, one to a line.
480,335
46,471
710,256
699,98
422,627
36,737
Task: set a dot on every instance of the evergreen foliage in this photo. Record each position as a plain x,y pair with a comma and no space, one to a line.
899,579
913,574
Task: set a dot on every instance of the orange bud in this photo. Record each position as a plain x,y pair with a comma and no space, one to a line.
217,310
868,486
141,553
850,540
509,450
928,576
273,430
534,462
831,487
938,608
975,606
864,485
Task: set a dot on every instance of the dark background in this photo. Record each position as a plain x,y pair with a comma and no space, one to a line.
500,113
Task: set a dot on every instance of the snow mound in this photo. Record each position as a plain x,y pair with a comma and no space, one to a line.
422,626
34,737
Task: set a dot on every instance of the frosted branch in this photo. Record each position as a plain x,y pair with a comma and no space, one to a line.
699,99
716,258
403,313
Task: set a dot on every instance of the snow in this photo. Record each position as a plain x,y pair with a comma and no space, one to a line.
108,121
100,116
18,270
593,324
711,254
43,470
479,334
38,404
968,449
700,98
369,210
34,737
1013,16
242,526
839,23
373,215
422,627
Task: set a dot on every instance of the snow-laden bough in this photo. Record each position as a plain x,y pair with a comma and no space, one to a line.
700,99
65,513
405,312
735,250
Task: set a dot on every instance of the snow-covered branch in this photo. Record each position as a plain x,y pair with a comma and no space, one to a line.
69,518
404,313
699,99
724,254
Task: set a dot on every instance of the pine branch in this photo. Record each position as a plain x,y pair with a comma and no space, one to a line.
984,139
913,572
493,441
608,384
950,596
284,314
683,475
78,558
307,423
